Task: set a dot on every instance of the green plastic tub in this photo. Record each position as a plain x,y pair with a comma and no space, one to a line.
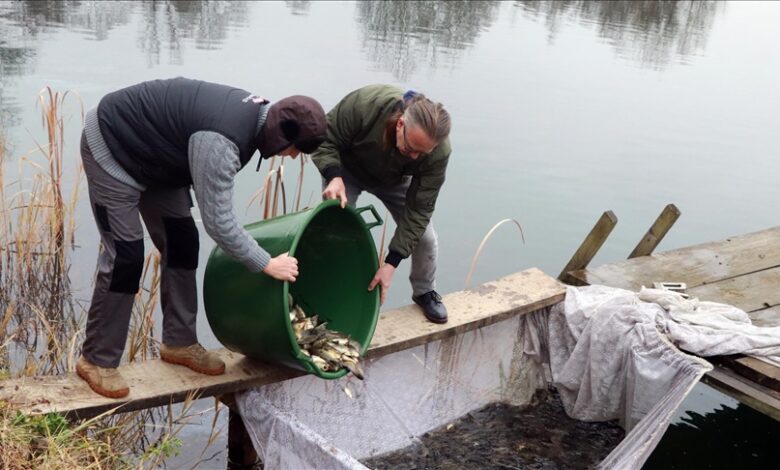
337,258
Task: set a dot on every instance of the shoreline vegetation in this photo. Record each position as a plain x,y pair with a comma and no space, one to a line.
40,321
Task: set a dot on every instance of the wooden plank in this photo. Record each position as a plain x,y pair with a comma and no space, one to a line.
590,246
756,370
694,265
753,291
753,395
154,383
657,231
485,305
766,316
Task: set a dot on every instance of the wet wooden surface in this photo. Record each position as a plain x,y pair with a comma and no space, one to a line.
154,383
695,265
743,271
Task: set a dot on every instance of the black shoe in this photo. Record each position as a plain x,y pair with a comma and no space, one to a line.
432,306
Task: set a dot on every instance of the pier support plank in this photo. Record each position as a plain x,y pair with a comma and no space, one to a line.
753,395
154,383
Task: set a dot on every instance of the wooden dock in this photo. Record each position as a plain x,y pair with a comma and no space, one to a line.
154,383
743,271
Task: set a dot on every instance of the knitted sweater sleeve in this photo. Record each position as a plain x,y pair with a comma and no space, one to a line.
214,162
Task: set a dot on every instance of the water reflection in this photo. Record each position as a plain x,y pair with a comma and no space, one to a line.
653,33
165,25
399,35
298,7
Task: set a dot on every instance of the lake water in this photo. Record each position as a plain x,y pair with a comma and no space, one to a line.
561,110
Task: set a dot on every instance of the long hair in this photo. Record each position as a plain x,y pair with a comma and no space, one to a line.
418,111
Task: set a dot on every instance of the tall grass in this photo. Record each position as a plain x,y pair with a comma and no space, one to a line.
36,239
41,322
273,191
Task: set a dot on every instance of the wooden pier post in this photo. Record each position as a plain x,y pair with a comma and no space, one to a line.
657,231
241,451
589,247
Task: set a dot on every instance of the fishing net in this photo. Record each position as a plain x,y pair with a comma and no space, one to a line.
606,365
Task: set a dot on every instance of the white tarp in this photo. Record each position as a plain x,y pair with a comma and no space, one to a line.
610,353
713,329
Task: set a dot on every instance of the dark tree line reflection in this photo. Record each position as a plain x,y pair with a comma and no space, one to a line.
653,33
397,36
400,35
163,27
166,25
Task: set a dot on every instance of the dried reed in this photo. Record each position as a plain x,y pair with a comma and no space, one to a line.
273,191
39,320
482,245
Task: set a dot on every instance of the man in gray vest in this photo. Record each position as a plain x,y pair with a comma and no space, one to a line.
143,147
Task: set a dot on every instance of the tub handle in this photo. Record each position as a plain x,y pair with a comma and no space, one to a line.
370,225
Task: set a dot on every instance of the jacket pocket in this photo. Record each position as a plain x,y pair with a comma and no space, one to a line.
425,190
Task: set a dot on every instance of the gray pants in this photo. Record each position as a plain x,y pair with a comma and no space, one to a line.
423,273
166,214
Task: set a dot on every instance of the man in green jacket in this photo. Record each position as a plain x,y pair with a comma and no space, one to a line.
394,145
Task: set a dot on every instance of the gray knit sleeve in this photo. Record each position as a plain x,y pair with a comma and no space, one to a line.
214,163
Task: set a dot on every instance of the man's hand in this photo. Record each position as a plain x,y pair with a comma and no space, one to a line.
383,277
283,268
336,190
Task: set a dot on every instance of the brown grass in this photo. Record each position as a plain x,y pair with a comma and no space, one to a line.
40,322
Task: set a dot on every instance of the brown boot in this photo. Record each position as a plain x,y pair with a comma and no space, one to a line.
195,357
103,380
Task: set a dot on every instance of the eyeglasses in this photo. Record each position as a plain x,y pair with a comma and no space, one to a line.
408,148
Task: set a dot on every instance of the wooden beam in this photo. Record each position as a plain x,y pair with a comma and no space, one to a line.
154,383
657,231
753,395
589,247
758,371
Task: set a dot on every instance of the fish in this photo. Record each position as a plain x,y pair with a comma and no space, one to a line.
329,350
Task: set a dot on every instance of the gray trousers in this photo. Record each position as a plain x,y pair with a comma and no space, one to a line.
423,273
166,214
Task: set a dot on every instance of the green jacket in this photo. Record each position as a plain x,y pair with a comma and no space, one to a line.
355,141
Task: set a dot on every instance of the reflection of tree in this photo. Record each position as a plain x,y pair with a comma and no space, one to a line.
649,31
298,7
167,24
726,438
401,34
25,24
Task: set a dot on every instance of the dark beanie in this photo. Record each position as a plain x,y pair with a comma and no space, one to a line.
296,120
